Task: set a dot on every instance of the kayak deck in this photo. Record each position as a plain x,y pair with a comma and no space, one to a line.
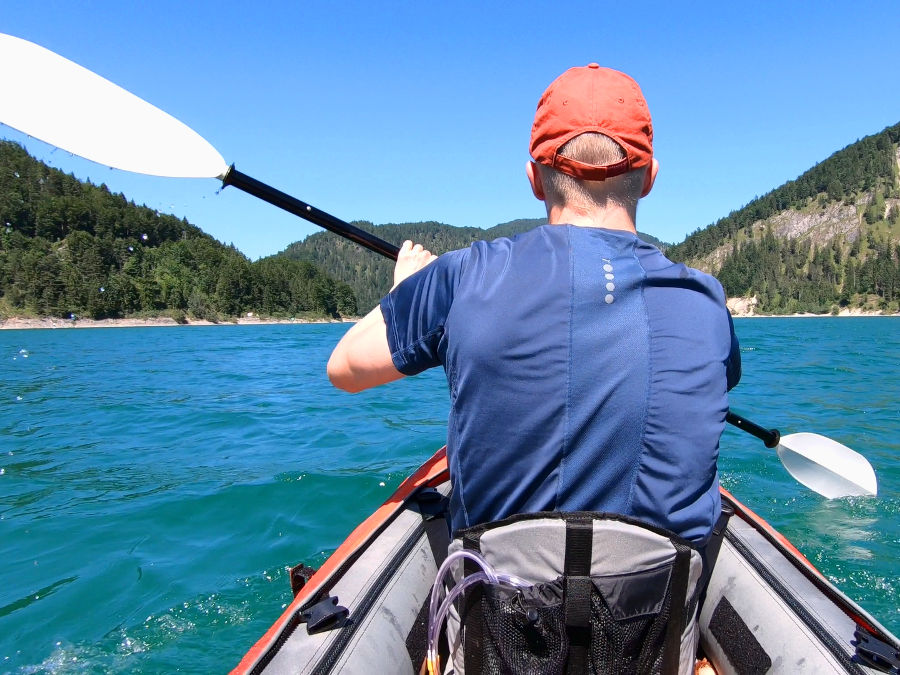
767,609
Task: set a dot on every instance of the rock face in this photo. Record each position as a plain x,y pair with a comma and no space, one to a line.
819,225
742,306
828,241
713,262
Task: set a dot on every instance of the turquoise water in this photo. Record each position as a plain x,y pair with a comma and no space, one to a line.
155,483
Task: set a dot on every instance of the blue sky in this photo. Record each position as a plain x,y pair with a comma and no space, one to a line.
406,111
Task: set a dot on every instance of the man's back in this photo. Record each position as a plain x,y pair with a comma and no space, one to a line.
586,371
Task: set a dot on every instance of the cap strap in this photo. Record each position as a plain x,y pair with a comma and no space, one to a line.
585,171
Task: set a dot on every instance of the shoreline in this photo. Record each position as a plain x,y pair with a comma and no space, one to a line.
842,315
745,308
25,323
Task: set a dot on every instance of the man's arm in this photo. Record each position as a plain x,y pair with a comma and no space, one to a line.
362,359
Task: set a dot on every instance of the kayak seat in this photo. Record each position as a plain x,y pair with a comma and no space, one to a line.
596,593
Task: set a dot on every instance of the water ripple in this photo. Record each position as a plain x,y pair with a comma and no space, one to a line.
155,484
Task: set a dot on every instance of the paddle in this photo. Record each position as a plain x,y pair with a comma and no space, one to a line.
115,128
820,463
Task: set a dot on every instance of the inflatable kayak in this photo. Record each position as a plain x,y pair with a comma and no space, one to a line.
766,609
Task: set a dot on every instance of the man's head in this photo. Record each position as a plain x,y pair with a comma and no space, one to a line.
592,140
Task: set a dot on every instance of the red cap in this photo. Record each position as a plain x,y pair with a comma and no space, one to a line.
591,98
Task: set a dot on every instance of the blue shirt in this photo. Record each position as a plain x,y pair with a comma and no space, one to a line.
586,372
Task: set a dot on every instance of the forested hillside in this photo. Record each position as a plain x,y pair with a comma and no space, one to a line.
73,248
828,240
370,275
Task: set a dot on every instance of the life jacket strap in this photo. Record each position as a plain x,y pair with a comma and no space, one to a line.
579,537
678,583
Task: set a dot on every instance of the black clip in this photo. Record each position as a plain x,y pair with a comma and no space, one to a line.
432,504
872,652
299,576
324,615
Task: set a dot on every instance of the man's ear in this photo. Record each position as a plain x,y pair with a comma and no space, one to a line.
650,177
534,177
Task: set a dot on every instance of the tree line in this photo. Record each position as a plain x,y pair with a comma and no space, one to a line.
795,274
791,276
867,166
371,275
72,248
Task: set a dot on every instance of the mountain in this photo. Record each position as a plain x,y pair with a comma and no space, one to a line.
68,247
828,240
371,275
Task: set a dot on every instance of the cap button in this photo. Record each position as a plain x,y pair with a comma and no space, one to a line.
593,65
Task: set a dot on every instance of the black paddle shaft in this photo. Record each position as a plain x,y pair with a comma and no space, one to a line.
770,437
267,193
292,205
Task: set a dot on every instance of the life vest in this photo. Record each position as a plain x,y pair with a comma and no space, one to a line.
589,593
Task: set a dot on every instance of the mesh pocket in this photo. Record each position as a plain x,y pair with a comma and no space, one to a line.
523,632
626,645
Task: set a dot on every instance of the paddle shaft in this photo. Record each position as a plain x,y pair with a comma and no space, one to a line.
292,205
770,437
821,480
242,181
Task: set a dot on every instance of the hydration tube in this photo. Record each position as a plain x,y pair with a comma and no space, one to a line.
437,613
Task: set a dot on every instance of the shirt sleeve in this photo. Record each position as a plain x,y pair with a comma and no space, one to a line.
733,365
416,311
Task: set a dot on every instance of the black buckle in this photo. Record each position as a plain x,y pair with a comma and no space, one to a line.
874,653
324,615
432,504
300,574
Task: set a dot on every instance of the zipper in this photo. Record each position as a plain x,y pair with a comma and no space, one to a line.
825,637
328,661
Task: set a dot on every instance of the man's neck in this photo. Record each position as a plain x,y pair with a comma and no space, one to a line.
609,218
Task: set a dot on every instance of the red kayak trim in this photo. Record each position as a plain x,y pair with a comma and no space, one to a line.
433,472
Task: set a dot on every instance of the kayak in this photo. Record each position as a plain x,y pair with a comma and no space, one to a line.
767,609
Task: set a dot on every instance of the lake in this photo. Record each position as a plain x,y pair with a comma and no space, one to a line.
156,483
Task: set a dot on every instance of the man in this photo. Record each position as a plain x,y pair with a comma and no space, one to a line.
586,370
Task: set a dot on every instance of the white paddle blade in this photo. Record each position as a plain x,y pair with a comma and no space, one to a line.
61,103
827,467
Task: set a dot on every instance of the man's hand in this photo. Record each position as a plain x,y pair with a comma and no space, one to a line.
411,259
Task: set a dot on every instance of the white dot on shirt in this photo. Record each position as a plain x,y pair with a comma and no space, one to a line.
607,267
610,276
609,299
610,286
